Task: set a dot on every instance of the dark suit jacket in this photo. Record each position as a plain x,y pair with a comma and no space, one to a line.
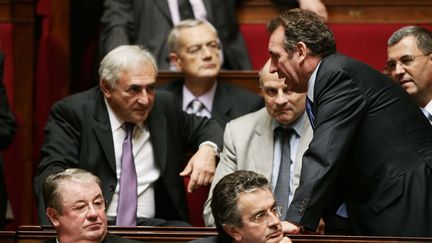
372,143
230,101
109,238
78,134
7,132
149,22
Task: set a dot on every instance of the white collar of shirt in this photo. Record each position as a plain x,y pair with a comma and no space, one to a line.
206,99
115,121
428,107
311,83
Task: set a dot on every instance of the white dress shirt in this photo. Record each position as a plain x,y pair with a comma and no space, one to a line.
146,169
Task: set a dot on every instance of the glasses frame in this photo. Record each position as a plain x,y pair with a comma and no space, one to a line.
404,61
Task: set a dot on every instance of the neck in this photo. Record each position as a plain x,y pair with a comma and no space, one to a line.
199,87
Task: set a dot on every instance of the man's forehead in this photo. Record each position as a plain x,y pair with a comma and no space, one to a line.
196,35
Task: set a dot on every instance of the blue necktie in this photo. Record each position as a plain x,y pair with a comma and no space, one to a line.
310,112
127,207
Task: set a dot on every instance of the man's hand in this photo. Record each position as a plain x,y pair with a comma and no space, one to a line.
201,168
315,6
290,228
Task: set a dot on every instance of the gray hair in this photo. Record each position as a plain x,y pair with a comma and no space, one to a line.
226,193
174,35
422,35
52,185
307,27
122,58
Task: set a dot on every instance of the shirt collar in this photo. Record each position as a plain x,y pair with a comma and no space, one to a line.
206,99
296,125
311,83
115,121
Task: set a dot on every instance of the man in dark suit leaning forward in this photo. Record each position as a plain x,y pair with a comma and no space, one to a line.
372,146
134,139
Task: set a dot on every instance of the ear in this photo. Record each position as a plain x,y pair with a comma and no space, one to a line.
106,88
175,61
301,50
53,216
233,232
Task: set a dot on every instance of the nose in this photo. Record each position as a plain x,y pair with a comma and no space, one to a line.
273,219
273,68
206,52
92,212
281,98
399,70
143,97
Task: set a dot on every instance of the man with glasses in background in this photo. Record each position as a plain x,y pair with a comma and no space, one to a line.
76,208
410,63
195,50
245,210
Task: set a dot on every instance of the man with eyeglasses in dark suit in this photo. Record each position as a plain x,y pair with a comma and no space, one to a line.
410,64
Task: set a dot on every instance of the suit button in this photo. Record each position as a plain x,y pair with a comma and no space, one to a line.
111,188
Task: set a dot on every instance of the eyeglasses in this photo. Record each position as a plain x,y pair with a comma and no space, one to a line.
212,46
404,61
273,92
264,217
84,208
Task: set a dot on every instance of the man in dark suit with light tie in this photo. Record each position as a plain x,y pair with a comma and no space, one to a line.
371,147
195,51
7,132
126,122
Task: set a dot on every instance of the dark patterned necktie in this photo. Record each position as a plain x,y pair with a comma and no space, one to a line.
282,188
195,107
127,207
310,112
185,10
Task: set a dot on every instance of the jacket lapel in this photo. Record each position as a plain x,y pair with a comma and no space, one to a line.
263,138
222,104
158,135
162,5
102,130
208,6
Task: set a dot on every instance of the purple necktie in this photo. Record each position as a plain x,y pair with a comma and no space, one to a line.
127,207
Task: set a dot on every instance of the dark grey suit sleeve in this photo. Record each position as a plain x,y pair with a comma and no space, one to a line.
340,105
117,24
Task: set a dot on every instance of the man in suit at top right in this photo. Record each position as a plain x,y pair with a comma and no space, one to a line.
409,62
371,146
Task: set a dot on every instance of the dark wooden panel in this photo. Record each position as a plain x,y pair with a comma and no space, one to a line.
34,234
246,79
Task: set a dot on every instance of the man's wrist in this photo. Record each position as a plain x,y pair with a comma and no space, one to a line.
213,146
